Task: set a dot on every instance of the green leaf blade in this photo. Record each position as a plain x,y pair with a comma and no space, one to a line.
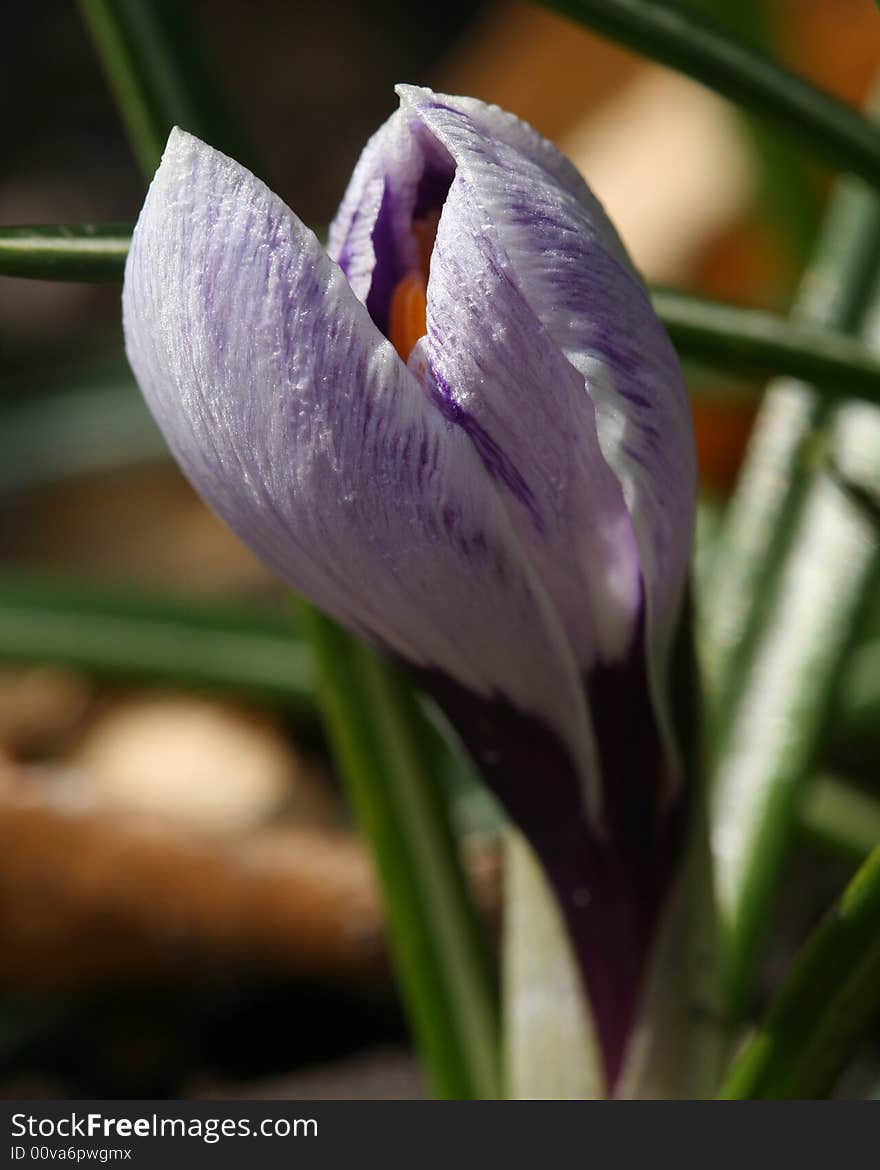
74,252
689,42
796,563
151,53
128,635
381,749
826,1007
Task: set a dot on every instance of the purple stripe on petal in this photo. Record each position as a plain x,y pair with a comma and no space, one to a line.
499,466
514,201
491,355
392,262
611,884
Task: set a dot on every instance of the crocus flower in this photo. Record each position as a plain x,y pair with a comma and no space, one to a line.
462,431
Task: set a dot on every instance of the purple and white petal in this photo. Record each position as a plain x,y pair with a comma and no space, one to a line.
401,171
350,238
503,379
296,420
540,236
509,512
501,126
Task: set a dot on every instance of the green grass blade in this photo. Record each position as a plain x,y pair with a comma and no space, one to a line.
759,520
754,341
691,43
855,730
132,636
826,1007
787,201
150,53
395,788
82,252
772,717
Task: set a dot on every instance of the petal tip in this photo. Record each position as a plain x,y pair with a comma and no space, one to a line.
181,143
413,95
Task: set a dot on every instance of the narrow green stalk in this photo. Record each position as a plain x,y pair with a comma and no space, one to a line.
774,712
392,781
88,252
786,198
691,43
759,520
150,53
777,726
827,1006
753,341
131,636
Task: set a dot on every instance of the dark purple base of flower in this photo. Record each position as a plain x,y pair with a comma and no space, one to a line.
610,884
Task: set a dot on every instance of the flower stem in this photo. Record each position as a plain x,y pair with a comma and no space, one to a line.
691,43
136,636
826,1007
381,749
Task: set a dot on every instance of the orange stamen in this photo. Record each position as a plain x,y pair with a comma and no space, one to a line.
408,313
424,231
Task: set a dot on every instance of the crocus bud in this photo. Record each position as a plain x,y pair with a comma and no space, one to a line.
463,432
